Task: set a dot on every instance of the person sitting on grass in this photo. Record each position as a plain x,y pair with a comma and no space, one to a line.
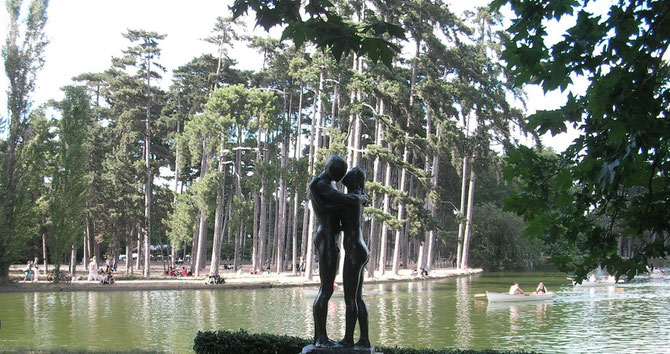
424,272
215,279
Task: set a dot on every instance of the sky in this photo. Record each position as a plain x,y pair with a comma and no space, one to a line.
85,34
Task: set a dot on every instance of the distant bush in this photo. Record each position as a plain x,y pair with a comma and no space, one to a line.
497,244
243,342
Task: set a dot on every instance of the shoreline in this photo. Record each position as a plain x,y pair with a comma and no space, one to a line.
233,281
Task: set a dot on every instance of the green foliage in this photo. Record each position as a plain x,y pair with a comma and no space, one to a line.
181,221
497,244
22,55
69,185
251,343
613,180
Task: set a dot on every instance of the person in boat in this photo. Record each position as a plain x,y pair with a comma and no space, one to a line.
516,289
541,289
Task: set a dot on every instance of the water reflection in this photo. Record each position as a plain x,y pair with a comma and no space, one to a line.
395,308
463,302
433,314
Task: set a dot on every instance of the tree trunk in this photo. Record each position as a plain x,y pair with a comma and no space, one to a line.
238,193
383,240
296,196
73,261
138,262
335,108
129,257
468,223
262,228
238,242
354,148
464,183
86,250
200,254
274,220
226,220
219,214
434,182
419,258
281,227
256,254
262,225
149,180
44,252
355,124
401,206
294,233
160,247
314,145
176,191
96,251
194,245
373,243
254,231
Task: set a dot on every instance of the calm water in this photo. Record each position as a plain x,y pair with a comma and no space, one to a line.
630,318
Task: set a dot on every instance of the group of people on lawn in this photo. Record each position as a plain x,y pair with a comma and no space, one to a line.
173,272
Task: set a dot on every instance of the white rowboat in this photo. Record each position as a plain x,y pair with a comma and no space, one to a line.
504,297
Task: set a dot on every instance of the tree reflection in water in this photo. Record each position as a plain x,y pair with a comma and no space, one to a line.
463,303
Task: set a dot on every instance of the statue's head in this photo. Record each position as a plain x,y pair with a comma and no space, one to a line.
335,167
354,179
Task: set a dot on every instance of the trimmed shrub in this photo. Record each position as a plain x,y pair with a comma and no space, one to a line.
243,342
263,343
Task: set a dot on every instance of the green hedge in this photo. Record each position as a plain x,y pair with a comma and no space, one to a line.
243,342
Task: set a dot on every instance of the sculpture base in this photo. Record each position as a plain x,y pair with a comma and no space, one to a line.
338,350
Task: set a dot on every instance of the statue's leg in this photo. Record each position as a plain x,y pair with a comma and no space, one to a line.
364,341
350,279
328,257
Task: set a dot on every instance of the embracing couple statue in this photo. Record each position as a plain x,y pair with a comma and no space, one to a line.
336,212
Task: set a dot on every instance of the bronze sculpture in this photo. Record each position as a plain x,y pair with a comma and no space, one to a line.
336,211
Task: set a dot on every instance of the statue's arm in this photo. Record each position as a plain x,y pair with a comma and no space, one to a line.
335,199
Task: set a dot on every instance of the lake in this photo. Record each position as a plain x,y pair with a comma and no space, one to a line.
631,317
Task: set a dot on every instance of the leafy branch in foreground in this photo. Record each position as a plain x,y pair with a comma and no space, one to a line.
325,28
613,183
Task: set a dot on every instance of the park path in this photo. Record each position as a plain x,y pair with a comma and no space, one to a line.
233,281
